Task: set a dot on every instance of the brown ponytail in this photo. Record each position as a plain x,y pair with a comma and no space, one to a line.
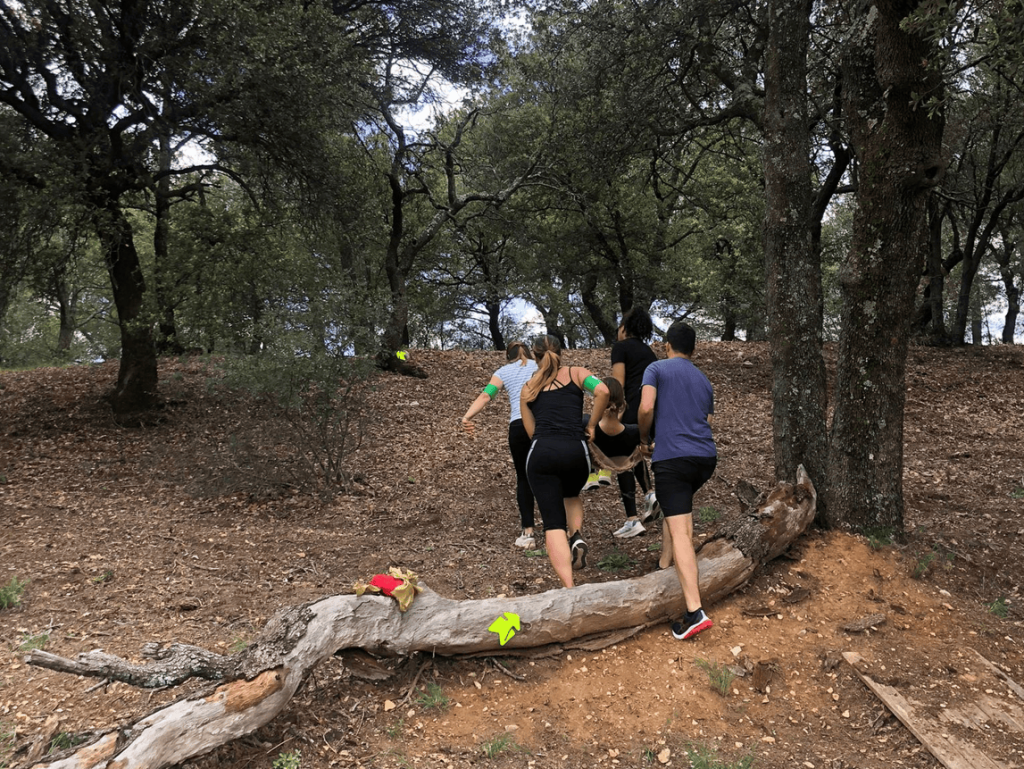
517,351
547,351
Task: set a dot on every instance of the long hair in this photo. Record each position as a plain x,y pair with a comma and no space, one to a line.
616,396
517,351
547,351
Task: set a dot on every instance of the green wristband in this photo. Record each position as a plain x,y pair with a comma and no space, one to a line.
491,391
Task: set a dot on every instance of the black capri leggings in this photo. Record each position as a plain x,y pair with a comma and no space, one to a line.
519,446
557,469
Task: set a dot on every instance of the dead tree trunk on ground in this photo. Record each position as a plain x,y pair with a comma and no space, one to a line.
257,684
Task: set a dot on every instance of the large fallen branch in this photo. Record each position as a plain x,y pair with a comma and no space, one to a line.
259,682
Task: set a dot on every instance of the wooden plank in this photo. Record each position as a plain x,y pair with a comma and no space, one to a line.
951,752
995,670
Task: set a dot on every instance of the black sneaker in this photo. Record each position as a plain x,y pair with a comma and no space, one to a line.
579,551
688,628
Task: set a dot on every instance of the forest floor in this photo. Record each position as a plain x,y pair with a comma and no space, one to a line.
192,529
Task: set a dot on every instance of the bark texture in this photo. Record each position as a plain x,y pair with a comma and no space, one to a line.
892,97
792,263
296,639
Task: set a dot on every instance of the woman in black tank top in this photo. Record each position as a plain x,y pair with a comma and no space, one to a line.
559,462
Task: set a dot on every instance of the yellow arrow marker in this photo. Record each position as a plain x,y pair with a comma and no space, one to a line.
505,626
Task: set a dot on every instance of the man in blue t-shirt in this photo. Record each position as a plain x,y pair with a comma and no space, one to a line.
676,404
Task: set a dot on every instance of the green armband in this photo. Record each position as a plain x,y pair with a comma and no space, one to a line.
491,391
590,383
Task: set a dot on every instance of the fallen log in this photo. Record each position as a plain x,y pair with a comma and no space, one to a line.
257,683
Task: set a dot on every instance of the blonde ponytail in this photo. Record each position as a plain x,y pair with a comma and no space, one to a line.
547,352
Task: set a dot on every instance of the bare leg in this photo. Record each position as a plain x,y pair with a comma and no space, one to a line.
573,514
681,529
558,551
665,559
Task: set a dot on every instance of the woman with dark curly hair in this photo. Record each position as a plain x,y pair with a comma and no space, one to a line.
631,356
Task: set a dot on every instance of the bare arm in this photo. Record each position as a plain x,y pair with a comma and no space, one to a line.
601,397
619,372
479,405
529,424
645,416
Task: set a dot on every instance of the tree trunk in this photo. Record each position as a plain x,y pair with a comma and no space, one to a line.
494,325
887,71
167,340
792,263
136,388
606,325
1003,258
295,640
931,315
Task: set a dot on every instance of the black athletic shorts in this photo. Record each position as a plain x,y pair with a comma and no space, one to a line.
676,480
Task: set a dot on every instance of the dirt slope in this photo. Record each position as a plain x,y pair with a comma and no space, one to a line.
187,529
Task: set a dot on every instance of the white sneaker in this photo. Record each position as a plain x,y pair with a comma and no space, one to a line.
651,508
604,477
631,528
526,541
591,483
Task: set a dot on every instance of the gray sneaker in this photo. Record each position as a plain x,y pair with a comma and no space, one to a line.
631,528
652,510
526,541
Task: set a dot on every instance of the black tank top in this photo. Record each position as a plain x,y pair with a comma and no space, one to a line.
557,413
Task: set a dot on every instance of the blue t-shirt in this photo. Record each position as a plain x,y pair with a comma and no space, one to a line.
685,400
513,376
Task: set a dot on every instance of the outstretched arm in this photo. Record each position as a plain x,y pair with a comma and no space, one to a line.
493,388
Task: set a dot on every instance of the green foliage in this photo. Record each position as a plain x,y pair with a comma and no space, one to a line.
238,646
541,553
319,400
292,760
615,561
29,642
999,607
106,576
1017,493
923,564
502,743
8,737
708,514
879,537
703,757
433,698
10,594
719,676
63,741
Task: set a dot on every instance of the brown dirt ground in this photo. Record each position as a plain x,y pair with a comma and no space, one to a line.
179,531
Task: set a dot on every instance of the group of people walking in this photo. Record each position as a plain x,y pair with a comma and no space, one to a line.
554,445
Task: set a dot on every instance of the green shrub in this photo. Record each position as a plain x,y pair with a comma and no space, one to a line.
707,758
501,743
719,676
999,607
433,698
319,401
615,561
291,760
10,594
708,514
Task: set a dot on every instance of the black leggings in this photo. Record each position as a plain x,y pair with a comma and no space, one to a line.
557,469
627,486
519,446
